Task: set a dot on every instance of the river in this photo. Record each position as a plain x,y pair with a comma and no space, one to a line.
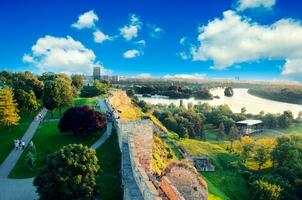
240,99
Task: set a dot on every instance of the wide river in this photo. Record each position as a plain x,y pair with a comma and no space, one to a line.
240,99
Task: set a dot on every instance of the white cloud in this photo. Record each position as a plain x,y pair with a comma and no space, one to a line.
132,53
28,59
141,42
155,31
186,76
184,55
131,30
234,39
247,4
182,40
86,20
100,37
61,55
143,75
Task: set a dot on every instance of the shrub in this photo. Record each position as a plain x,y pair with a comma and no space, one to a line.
82,120
70,173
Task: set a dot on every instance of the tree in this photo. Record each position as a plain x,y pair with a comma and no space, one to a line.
30,159
243,110
263,148
221,131
247,147
285,119
266,191
27,81
130,93
8,108
228,91
82,121
69,173
234,134
77,81
288,153
57,93
270,120
27,101
96,89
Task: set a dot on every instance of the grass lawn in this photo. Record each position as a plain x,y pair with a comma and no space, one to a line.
109,181
76,102
292,129
226,181
7,135
48,139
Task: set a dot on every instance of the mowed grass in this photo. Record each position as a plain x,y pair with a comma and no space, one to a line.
8,134
292,129
48,139
225,182
109,180
55,114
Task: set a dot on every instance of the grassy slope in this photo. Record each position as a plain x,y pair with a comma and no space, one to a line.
7,135
76,102
293,129
48,139
109,181
226,182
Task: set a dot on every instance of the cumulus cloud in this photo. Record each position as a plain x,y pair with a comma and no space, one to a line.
131,53
141,42
186,76
235,39
182,40
131,30
86,20
62,54
247,4
183,55
100,37
154,30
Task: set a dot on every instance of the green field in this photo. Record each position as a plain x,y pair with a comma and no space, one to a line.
109,181
47,140
226,181
76,102
8,135
292,129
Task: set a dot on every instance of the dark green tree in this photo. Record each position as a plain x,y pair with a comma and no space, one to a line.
69,173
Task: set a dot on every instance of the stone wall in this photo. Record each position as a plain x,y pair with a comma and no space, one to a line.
170,191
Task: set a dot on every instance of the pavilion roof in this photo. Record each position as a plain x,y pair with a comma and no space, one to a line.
249,122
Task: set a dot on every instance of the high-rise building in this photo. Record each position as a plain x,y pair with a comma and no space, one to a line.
97,73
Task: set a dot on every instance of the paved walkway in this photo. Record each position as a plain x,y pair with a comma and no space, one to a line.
14,155
104,107
14,189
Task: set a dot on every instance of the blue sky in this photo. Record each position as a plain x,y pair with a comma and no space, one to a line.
253,39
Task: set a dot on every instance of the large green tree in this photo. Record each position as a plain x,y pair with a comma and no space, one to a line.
69,173
77,81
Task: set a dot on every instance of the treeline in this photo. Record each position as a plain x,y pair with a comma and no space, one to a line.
54,91
279,162
174,92
289,94
191,122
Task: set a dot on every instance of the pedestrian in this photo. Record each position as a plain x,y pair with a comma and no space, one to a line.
16,144
23,145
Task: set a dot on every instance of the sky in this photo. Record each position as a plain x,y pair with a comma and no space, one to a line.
249,39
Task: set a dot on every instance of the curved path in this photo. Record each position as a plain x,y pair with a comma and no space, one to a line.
13,189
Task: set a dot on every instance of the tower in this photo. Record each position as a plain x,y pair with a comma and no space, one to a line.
96,73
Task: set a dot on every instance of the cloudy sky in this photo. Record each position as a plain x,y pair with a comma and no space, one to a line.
252,39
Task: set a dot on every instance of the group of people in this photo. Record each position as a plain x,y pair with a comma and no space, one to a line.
19,144
39,117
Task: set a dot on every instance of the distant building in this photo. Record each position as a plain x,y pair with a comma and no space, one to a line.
116,78
249,126
97,73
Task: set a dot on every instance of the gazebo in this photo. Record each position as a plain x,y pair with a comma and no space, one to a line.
249,126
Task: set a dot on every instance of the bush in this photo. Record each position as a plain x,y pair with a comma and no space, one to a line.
228,92
70,173
82,120
266,191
